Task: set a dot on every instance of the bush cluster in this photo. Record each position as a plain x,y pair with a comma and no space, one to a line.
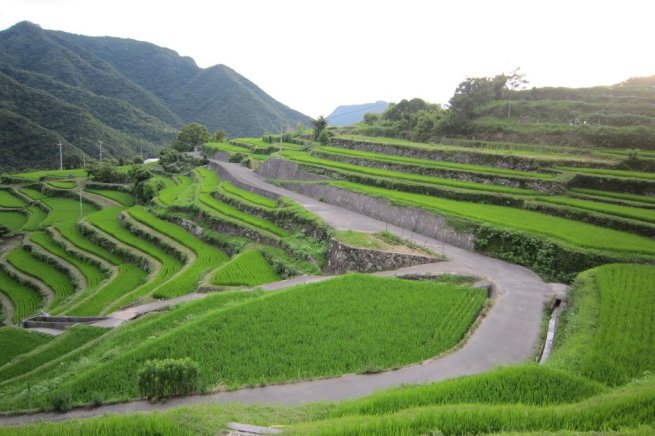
168,378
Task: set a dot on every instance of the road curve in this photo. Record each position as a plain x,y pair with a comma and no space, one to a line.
509,333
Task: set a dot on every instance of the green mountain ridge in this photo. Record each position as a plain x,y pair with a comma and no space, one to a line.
129,94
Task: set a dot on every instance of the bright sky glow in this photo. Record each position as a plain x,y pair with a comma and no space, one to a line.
314,56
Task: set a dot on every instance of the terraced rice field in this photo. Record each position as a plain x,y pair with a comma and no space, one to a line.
60,283
636,213
611,173
248,196
249,268
610,336
62,184
93,275
35,217
569,231
182,193
302,333
36,175
121,197
231,148
234,213
616,195
25,300
396,175
433,164
17,341
207,256
72,339
14,220
7,199
209,179
61,209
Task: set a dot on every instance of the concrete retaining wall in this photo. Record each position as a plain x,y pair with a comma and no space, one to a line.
415,219
285,170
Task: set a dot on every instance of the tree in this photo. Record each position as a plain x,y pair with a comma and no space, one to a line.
319,125
104,171
192,135
515,81
471,95
220,135
325,137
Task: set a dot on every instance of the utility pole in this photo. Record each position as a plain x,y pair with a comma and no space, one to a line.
61,157
100,145
281,130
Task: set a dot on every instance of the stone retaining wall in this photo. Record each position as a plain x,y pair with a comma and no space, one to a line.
285,170
343,258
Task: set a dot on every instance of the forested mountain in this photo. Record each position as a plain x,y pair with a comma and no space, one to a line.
131,95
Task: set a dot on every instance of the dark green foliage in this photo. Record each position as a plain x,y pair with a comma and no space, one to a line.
61,401
105,171
168,378
220,135
191,136
319,125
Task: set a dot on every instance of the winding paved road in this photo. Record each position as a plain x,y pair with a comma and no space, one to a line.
509,333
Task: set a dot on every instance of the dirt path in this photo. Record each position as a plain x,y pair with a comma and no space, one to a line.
509,333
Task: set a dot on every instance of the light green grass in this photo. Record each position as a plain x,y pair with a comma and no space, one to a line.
616,195
246,269
611,173
408,177
636,213
25,299
61,209
250,197
480,169
35,217
7,199
609,335
15,341
14,220
180,194
234,213
65,184
209,179
231,148
207,256
36,175
71,233
123,198
570,231
354,323
59,282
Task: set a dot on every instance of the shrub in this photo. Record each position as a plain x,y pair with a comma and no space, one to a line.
61,401
168,378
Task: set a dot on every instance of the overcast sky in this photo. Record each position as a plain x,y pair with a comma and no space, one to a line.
314,56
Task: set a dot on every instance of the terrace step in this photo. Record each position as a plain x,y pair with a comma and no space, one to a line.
58,322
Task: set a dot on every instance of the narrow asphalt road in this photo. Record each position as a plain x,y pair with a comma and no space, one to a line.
509,333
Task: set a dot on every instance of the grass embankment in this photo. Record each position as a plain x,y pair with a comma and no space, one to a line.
248,268
35,217
248,196
207,256
616,195
612,173
59,282
566,230
354,323
123,198
305,158
15,341
25,300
